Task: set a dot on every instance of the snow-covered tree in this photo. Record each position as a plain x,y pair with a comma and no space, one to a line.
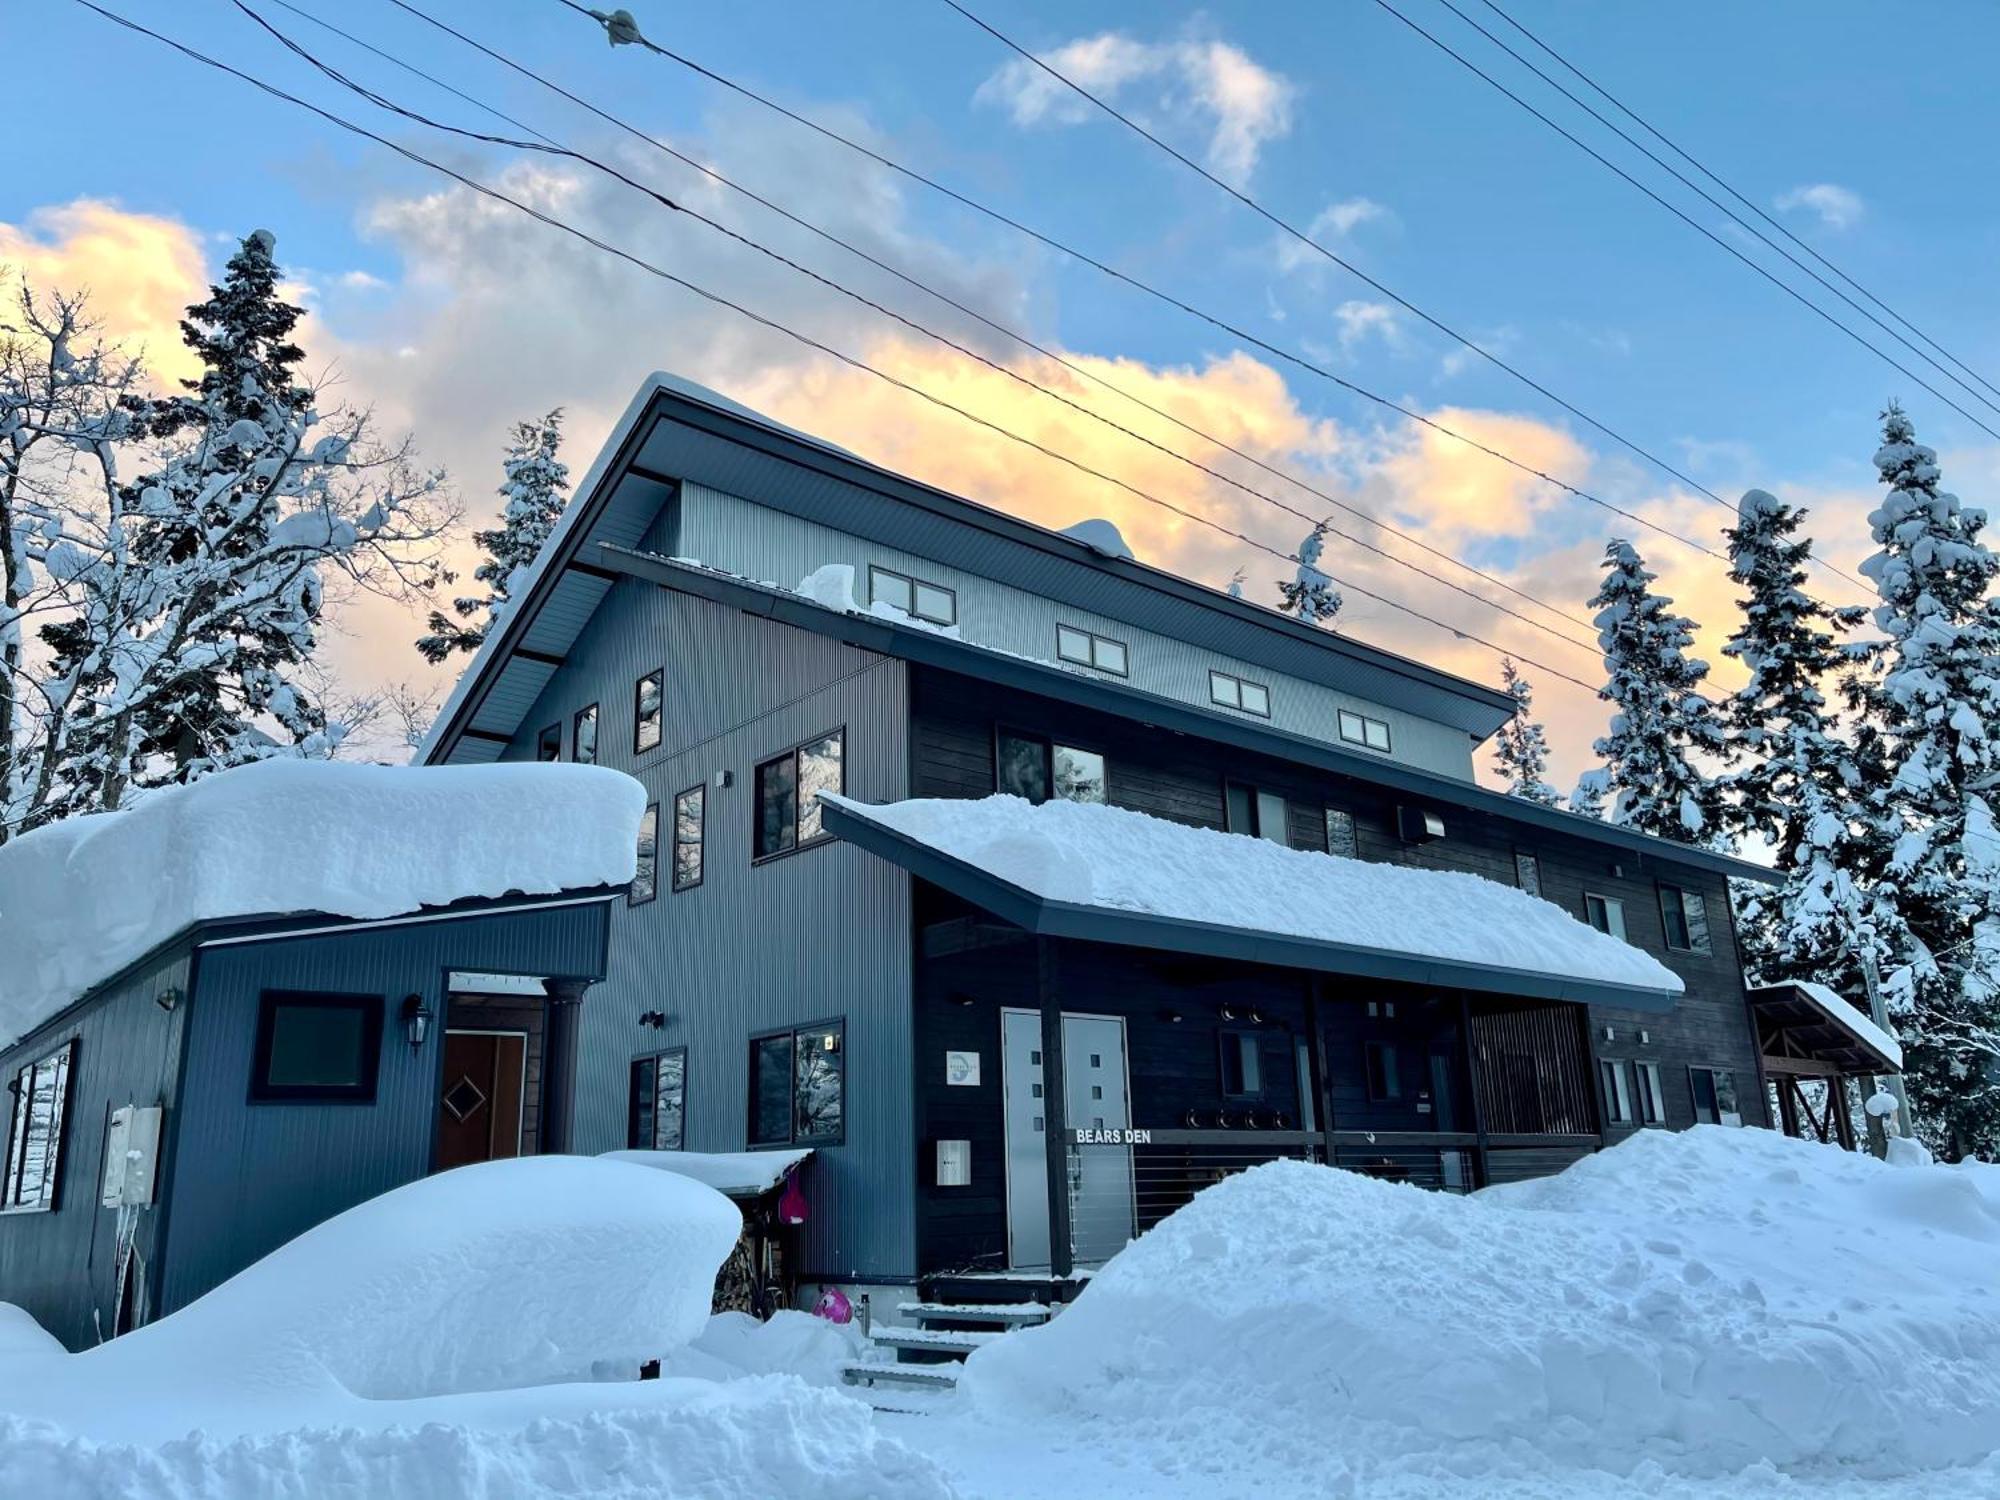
1938,695
1593,790
533,496
1520,749
1310,594
1660,719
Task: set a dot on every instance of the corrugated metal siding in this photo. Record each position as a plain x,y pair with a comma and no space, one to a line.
757,541
822,933
63,1266
248,1176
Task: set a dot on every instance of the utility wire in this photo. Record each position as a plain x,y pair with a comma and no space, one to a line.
807,340
554,148
1720,182
1049,241
1686,218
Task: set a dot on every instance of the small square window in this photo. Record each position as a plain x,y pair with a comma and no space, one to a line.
1715,1097
788,788
798,1086
1107,655
1073,645
892,589
1256,699
316,1048
937,605
1224,689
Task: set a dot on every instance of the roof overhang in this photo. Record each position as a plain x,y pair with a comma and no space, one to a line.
1807,1030
1037,914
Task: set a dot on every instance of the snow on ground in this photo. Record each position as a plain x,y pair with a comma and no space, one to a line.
1091,854
82,898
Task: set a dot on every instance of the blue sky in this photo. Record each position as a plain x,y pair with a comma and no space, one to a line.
455,324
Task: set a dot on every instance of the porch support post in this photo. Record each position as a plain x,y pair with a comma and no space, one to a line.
559,1032
1472,1071
1055,1114
1321,1081
1788,1105
1836,1105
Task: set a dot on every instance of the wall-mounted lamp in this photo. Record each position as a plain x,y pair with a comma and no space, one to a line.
959,997
417,1018
657,1019
168,999
1171,1017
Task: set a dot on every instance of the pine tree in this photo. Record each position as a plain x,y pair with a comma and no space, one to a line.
1660,718
1592,790
1520,749
533,494
1310,594
1938,694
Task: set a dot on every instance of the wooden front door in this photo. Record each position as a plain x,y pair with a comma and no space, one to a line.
479,1100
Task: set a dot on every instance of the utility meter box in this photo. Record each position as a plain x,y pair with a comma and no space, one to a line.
131,1156
954,1164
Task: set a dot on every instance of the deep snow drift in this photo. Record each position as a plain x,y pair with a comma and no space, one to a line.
82,898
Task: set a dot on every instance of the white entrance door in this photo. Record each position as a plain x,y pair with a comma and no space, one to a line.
1096,1096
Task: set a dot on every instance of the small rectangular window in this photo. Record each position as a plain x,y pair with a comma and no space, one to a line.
1035,769
798,1086
646,871
1233,692
657,1107
1359,729
1076,775
1384,1081
1259,813
1715,1097
1340,837
1606,914
689,807
648,699
920,600
548,744
1617,1092
583,736
41,1092
1685,917
1242,1065
1528,873
1088,649
771,1091
1652,1098
316,1048
788,788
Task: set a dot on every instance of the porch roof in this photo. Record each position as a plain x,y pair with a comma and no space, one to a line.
1802,1022
1111,875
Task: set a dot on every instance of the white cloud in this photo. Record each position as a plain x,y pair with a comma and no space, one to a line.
1245,103
361,281
1837,207
1334,222
1359,320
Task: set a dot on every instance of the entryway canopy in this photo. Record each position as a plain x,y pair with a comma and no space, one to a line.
1111,875
1806,1029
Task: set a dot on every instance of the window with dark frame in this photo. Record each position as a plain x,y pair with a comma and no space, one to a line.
798,1086
919,600
35,1141
1242,1065
1652,1098
1086,648
656,1118
649,695
583,736
787,790
1034,768
1340,838
315,1047
1715,1101
646,870
1684,914
548,744
1606,914
1360,729
689,810
1385,1082
1617,1082
1528,873
1251,810
1232,691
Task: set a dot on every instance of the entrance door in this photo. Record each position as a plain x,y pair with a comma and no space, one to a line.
1096,1096
479,1103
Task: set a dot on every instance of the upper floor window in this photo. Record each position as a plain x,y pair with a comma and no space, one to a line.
656,1111
1340,837
1685,916
583,736
1026,765
1235,692
689,810
1088,649
914,597
317,1047
1528,873
548,744
1262,814
788,788
1359,729
1606,914
648,700
798,1086
34,1144
646,873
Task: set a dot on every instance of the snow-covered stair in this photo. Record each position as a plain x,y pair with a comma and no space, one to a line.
891,1381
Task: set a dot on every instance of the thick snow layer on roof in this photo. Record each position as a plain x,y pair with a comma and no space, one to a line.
1100,535
737,1173
81,899
1842,1014
1094,855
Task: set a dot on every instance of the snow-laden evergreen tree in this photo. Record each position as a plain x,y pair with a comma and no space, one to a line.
1310,594
1593,790
1938,695
533,494
1660,720
1521,749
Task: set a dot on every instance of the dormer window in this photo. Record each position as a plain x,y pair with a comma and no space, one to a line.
1235,692
1086,648
919,600
1359,729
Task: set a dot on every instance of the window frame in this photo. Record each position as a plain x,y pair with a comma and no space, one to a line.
371,1008
632,896
19,1131
1240,1036
1237,685
797,845
549,738
633,1143
750,1100
1610,904
1650,1091
588,711
1050,744
1614,1081
1093,639
877,570
1715,1093
1528,873
1706,945
1371,1049
675,885
659,675
1360,738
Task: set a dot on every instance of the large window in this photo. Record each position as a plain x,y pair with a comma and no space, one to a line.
1617,1081
1359,729
1247,809
35,1142
646,872
798,1086
1028,766
583,736
689,808
1685,916
548,744
657,1113
1235,692
914,597
788,788
1606,914
649,696
316,1048
1087,648
1715,1097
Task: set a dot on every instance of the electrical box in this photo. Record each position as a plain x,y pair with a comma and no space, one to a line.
1419,825
131,1156
954,1164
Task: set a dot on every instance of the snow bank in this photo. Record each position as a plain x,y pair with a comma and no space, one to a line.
1689,1304
738,1173
81,899
1094,855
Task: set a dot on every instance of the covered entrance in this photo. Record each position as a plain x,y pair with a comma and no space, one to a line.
1097,1101
490,1074
1813,1042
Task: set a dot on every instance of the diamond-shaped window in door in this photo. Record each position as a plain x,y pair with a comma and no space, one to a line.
464,1099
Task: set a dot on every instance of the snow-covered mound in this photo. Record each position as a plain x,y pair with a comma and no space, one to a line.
81,899
1100,536
1692,1303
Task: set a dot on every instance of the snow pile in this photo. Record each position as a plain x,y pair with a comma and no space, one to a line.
1689,1304
81,899
737,1173
735,1345
1100,536
1089,854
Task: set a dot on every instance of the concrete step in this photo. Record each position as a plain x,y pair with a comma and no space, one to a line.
934,1340
1007,1314
922,1377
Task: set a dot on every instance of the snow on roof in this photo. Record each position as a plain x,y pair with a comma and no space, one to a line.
81,899
1100,536
1118,860
739,1174
1846,1016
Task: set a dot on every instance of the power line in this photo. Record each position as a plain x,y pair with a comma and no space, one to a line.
1747,202
807,340
548,146
1686,218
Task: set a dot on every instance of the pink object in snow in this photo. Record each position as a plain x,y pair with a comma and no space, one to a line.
834,1306
792,1205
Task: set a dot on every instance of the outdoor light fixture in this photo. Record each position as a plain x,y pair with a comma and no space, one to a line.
657,1019
417,1017
1171,1017
168,999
